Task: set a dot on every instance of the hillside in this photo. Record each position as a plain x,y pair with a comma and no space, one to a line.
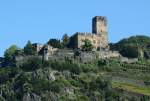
110,79
133,46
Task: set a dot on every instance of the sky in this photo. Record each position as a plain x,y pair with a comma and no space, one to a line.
40,20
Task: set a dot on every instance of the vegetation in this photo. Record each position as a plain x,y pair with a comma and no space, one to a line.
29,49
86,82
111,79
65,40
133,47
10,54
32,64
55,43
87,46
132,88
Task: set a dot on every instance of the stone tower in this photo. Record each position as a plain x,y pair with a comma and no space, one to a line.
99,24
99,27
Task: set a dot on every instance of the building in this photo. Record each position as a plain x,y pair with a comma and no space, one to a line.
98,37
38,47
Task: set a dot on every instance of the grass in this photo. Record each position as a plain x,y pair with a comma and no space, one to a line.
131,88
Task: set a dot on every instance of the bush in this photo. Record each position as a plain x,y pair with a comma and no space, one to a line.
56,86
40,85
7,73
32,64
130,51
147,54
61,66
4,76
102,63
29,49
75,83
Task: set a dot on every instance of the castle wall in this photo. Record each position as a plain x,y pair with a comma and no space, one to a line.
98,37
90,36
97,40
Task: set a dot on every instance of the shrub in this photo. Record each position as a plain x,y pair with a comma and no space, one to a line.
56,86
32,64
4,76
29,49
75,83
130,51
61,66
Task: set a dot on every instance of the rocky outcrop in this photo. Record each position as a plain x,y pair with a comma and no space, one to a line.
31,97
47,74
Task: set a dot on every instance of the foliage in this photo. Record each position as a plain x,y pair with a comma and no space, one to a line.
32,64
61,66
29,49
55,43
7,72
65,40
10,54
40,85
132,88
130,51
137,41
87,45
101,80
147,54
130,47
72,42
85,84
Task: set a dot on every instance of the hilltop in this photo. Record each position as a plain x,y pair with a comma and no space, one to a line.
82,67
105,79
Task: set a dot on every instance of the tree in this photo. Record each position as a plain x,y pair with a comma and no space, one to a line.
87,46
65,40
132,46
130,51
55,43
147,54
32,64
73,41
29,49
137,41
10,54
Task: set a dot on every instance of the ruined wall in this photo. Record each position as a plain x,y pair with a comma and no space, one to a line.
97,40
92,37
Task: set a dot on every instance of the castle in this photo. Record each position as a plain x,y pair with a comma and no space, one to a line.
98,37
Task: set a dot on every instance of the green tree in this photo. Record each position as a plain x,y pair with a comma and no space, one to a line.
10,54
32,64
55,43
87,46
29,49
130,51
147,54
73,41
65,40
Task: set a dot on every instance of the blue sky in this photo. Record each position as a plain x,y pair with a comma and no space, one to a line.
40,20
